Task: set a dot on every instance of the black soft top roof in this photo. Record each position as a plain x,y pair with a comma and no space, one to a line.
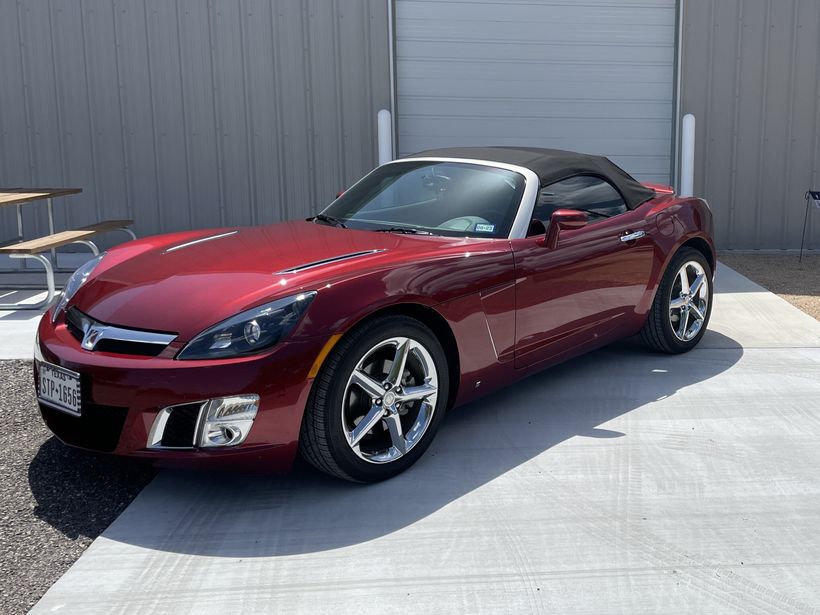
551,165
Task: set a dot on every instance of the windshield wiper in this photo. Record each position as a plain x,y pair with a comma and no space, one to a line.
402,229
329,220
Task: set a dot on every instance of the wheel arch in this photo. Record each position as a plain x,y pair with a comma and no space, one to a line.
702,246
696,242
654,331
436,323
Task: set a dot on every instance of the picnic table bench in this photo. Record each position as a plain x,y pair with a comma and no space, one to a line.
34,248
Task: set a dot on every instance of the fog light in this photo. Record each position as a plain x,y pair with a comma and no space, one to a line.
228,420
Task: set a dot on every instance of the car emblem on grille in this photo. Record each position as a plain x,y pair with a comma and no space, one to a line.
92,334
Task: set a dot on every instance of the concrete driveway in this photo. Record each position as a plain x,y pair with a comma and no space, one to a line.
623,481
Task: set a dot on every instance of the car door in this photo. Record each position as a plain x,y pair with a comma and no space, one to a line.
584,291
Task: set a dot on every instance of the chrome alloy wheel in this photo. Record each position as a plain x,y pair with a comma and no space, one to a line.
389,400
689,301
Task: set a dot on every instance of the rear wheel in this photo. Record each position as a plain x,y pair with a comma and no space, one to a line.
377,401
682,306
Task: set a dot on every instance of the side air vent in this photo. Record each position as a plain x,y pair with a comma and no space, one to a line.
175,427
327,261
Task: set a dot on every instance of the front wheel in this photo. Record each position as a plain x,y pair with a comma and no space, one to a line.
683,304
377,401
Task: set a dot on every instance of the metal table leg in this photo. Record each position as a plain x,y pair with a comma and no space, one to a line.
49,281
50,207
20,265
49,277
20,221
91,245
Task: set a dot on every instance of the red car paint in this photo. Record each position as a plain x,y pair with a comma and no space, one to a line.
508,308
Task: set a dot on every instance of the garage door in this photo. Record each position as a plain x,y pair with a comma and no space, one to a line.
594,76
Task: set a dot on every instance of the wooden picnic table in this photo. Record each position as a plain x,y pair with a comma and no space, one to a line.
21,196
33,248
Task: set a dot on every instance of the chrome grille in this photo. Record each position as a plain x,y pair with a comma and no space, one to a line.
96,336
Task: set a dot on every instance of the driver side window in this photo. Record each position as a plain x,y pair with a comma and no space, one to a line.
596,196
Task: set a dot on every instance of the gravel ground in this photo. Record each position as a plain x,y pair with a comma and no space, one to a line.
55,500
798,283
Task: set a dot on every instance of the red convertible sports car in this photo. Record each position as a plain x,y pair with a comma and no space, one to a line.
432,281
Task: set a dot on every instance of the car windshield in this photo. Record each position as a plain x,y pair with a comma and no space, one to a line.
439,198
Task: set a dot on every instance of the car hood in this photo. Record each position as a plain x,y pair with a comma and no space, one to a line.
185,282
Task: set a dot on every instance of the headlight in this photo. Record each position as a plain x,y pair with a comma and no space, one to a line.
74,283
249,331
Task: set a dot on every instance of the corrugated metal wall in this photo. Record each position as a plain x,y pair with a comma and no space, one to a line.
751,76
186,114
595,76
191,114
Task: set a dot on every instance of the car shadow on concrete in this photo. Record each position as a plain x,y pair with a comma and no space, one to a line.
237,515
81,493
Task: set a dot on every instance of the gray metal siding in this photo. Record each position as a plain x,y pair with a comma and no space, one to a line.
751,78
595,76
189,114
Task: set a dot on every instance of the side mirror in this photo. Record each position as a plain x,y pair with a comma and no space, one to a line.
563,220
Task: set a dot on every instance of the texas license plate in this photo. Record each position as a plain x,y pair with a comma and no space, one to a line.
60,387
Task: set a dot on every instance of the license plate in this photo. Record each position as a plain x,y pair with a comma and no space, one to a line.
60,387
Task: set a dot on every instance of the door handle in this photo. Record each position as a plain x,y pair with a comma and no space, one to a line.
632,236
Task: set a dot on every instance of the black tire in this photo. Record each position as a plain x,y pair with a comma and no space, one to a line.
658,332
323,441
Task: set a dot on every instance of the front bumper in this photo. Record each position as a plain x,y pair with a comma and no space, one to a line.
123,394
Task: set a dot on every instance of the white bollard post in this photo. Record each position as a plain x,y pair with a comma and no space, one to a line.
384,126
687,156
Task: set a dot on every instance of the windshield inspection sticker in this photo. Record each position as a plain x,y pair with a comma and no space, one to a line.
485,228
